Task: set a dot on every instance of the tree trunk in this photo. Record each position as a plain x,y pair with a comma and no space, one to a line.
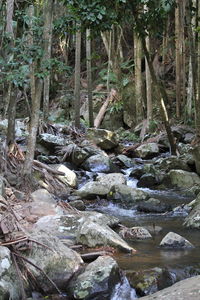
10,138
178,57
77,79
9,17
89,77
138,78
48,17
148,86
35,111
163,99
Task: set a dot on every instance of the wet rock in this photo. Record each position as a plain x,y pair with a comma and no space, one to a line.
92,235
147,180
196,155
92,189
124,160
150,281
193,219
172,163
183,179
99,163
103,138
154,229
137,172
147,150
51,141
135,233
97,281
149,207
78,204
182,210
175,241
112,179
69,178
126,196
75,154
184,290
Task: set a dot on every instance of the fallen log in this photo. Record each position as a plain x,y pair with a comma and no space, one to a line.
102,110
93,255
44,166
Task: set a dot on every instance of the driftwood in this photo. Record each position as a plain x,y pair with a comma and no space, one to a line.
93,255
44,166
102,110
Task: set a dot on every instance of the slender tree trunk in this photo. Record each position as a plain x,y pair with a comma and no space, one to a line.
178,56
198,68
148,86
163,99
10,138
9,17
188,109
89,77
48,17
138,78
77,79
35,111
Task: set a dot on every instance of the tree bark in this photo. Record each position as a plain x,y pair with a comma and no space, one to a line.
48,18
148,86
89,77
138,78
163,99
77,79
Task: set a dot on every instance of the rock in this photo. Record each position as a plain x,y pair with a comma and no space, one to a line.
112,120
78,204
75,154
153,229
135,233
65,227
175,241
98,163
51,141
172,163
181,131
150,281
124,160
112,179
189,137
43,204
92,189
2,186
147,180
196,155
20,128
105,139
97,281
193,219
147,150
183,179
69,178
137,172
188,289
126,196
92,235
149,207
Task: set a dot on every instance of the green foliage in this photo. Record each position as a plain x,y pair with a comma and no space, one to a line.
103,74
116,107
128,136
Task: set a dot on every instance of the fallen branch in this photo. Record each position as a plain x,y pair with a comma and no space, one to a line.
102,110
93,255
44,166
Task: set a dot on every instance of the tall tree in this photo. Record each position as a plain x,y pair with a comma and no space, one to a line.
89,77
77,79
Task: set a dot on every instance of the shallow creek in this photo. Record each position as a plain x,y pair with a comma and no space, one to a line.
149,255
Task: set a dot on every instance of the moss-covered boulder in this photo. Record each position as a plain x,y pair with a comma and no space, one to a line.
103,138
183,179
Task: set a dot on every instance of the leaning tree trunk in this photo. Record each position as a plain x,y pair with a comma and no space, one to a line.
89,77
148,86
77,79
163,99
48,17
35,111
138,78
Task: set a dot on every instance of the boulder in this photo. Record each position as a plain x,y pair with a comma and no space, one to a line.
92,235
50,141
196,155
184,290
43,204
78,204
99,163
183,179
20,128
175,241
147,150
75,154
150,207
69,179
124,160
147,180
126,196
135,233
193,219
97,281
172,163
103,138
111,179
92,189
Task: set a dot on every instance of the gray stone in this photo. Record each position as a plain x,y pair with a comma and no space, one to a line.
183,179
51,141
75,154
98,280
135,233
126,196
175,241
69,179
112,179
196,154
126,161
92,189
147,150
103,138
98,163
193,219
188,289
172,163
78,204
2,186
20,127
147,180
92,235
